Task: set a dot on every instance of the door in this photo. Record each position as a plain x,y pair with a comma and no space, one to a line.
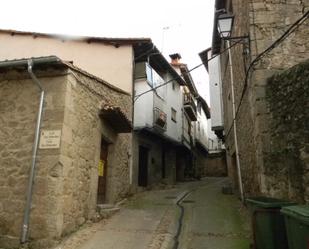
163,170
143,166
235,174
102,171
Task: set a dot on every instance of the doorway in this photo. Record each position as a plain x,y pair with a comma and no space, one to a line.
102,172
163,170
143,166
234,173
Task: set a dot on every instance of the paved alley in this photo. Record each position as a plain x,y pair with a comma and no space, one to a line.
212,219
150,220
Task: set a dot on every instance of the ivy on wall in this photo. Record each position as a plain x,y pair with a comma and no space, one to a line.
287,96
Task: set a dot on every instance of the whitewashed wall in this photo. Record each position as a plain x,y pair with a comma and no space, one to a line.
201,128
164,98
110,63
143,106
215,89
174,100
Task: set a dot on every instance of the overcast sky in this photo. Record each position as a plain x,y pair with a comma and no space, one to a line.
173,25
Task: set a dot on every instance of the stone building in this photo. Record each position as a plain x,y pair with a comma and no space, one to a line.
274,38
83,153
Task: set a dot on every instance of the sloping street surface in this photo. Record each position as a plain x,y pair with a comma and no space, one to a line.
151,220
214,220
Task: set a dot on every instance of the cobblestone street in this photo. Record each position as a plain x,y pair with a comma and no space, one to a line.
150,220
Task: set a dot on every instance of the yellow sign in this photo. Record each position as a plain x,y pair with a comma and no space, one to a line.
101,168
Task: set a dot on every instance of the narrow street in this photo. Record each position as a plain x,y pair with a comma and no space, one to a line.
151,220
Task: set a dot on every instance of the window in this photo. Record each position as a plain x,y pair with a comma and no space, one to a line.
173,114
199,107
173,85
155,80
149,75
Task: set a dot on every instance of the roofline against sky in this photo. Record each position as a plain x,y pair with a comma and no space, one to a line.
89,39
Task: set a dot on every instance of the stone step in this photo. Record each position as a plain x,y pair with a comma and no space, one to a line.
106,210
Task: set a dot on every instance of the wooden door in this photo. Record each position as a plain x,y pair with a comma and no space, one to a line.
102,171
143,166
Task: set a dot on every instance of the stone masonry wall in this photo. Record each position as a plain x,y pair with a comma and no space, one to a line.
215,165
268,21
245,120
66,180
287,158
82,133
19,104
264,21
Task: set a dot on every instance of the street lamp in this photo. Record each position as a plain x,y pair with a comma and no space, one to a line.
225,24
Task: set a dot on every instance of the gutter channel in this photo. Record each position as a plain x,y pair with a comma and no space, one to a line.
180,218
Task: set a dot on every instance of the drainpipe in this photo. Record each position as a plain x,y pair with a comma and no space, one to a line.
29,63
25,226
234,126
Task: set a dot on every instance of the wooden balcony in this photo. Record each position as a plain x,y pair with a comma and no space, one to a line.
189,106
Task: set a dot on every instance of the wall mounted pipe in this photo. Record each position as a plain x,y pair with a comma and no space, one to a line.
8,64
234,126
25,226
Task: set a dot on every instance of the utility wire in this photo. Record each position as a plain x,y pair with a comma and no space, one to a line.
285,35
169,81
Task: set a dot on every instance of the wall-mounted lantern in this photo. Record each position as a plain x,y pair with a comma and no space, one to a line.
225,25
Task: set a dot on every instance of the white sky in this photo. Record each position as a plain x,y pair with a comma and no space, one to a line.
173,25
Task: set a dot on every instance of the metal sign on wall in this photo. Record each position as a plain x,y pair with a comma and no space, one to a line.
50,139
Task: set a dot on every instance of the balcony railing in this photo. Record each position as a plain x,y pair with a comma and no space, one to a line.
189,106
159,119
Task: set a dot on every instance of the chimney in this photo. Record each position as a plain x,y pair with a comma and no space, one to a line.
175,59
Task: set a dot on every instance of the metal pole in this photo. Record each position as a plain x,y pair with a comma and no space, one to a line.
234,126
25,226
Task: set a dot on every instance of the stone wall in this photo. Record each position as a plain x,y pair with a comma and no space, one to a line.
201,157
80,150
215,165
66,180
264,21
19,104
286,165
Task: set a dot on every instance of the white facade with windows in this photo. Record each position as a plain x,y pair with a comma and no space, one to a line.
160,108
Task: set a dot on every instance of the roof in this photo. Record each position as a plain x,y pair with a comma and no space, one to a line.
175,56
204,57
88,39
39,62
149,52
117,119
188,78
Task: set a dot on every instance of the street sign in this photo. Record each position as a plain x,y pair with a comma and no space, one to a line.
50,139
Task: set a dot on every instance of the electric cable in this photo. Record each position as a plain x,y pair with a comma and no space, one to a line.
171,80
285,35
